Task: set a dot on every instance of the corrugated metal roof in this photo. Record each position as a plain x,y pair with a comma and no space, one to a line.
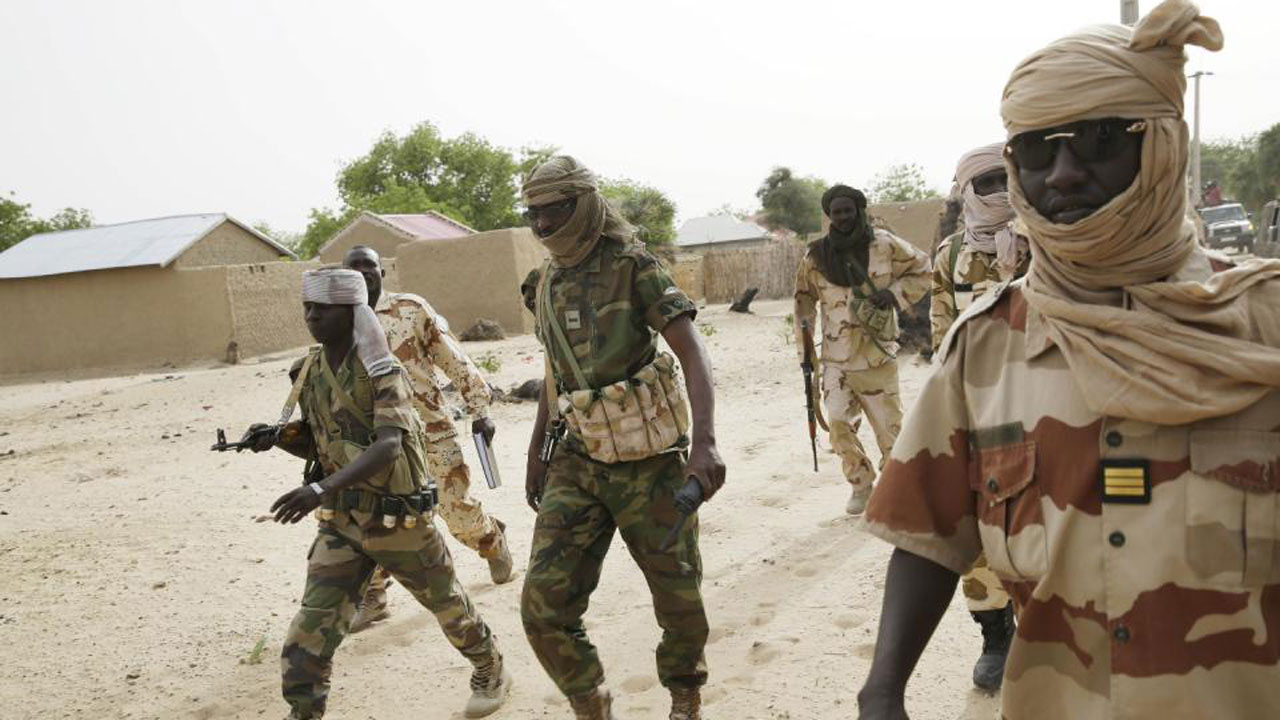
430,225
717,228
158,241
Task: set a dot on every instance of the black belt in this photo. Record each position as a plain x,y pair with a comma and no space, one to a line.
421,502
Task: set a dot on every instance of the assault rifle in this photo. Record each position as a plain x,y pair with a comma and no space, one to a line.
812,406
248,441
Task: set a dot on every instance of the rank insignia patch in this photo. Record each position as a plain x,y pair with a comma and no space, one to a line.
1125,481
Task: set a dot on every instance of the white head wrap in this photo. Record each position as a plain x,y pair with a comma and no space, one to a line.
988,218
1182,350
338,286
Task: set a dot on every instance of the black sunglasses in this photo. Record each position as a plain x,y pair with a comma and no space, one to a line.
1090,140
550,209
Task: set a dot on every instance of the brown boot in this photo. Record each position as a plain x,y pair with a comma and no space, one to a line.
501,569
594,705
686,703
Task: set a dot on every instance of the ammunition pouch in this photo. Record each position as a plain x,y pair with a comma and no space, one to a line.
881,325
632,419
393,508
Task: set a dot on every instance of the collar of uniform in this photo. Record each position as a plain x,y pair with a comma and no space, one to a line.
1035,337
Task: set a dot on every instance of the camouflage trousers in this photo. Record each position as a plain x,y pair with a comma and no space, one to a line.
849,395
338,567
982,589
462,513
582,504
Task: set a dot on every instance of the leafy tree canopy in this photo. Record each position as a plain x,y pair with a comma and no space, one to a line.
901,183
791,202
17,223
645,207
1248,169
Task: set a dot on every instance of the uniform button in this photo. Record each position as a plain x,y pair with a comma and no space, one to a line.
992,484
1121,634
1116,539
1114,438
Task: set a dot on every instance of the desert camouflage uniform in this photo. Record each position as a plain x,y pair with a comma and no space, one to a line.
859,377
610,307
348,547
1168,608
420,339
954,291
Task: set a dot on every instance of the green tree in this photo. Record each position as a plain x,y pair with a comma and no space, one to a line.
1248,168
791,202
645,207
288,239
901,183
17,223
464,177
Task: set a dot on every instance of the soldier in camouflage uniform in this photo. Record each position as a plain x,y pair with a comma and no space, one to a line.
1106,430
421,341
859,275
374,506
965,267
610,298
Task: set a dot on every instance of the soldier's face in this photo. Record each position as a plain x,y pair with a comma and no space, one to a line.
991,182
1070,188
547,219
844,214
328,323
366,262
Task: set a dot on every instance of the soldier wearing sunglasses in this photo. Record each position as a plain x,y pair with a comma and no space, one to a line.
1106,430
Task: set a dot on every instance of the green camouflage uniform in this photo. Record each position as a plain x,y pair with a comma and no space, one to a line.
610,307
961,276
349,546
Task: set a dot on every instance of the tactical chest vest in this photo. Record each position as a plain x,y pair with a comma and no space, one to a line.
322,389
632,419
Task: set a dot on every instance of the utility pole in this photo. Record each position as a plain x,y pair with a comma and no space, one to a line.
1128,12
1197,188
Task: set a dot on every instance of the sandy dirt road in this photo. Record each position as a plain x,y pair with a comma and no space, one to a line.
137,573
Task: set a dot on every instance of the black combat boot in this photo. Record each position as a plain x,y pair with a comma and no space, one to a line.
997,635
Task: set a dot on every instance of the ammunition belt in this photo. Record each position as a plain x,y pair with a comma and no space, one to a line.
421,502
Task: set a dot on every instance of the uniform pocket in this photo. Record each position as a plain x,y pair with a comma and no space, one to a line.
1010,518
1233,507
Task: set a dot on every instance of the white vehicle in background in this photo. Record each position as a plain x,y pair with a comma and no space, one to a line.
1228,224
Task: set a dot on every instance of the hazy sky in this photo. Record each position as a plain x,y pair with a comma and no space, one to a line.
141,109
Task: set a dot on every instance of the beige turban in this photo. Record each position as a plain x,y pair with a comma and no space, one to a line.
560,178
1142,346
988,218
336,286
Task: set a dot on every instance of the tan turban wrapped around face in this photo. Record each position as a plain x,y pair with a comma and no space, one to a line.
563,177
988,218
335,286
1142,346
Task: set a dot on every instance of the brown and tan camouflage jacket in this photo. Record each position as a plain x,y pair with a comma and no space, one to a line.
892,263
421,341
955,288
1144,560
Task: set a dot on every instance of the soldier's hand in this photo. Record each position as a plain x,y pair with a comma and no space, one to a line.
486,426
262,440
883,299
295,505
706,465
535,481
